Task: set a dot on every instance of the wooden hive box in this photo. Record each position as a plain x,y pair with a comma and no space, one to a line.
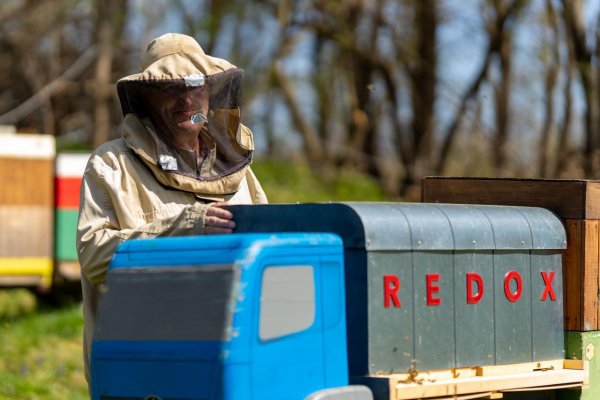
576,202
69,168
26,209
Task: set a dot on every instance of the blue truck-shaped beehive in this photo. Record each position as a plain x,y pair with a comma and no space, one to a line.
307,299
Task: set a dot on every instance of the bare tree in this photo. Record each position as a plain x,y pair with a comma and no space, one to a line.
110,21
553,64
423,81
583,56
356,80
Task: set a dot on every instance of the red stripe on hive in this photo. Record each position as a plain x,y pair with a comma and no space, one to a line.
67,192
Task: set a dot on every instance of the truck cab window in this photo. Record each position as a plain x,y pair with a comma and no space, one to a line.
287,302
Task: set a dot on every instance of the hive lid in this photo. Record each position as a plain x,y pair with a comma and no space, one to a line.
411,226
568,198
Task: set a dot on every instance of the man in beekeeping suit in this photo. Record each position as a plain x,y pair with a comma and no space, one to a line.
183,155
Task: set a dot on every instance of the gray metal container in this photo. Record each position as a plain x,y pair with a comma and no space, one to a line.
391,251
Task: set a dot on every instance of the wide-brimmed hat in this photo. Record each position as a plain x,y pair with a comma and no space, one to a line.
174,56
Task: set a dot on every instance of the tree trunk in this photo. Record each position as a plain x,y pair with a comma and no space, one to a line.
573,12
423,81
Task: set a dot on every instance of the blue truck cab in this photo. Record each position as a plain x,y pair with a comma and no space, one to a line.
216,317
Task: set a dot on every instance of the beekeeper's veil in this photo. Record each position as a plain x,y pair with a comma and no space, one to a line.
206,92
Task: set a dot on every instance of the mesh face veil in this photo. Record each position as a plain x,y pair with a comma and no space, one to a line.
190,113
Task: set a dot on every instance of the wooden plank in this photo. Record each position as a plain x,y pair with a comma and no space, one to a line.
496,383
589,277
573,274
576,364
577,199
26,181
592,200
23,145
26,231
495,370
35,270
488,370
581,275
22,281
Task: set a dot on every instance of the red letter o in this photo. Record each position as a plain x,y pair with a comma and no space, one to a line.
510,296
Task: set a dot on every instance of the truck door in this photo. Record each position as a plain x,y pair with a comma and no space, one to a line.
287,352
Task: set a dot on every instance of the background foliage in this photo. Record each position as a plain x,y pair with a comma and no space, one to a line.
395,89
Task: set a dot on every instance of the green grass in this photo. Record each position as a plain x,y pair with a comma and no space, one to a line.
40,347
285,183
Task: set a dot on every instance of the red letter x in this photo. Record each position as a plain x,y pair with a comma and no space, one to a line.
548,288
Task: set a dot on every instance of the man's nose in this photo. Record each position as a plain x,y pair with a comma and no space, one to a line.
184,98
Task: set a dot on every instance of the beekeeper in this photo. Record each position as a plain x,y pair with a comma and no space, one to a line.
182,156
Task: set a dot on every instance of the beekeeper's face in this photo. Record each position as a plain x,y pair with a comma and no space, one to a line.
175,104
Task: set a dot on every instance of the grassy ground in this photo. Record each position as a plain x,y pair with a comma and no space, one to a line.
40,347
285,183
40,339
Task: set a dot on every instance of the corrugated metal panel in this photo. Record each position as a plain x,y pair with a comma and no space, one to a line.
384,225
542,222
434,335
457,227
548,332
513,322
471,227
390,352
411,226
475,320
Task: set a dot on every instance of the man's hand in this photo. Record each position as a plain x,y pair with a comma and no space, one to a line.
218,220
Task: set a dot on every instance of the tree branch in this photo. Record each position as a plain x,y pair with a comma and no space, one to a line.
51,89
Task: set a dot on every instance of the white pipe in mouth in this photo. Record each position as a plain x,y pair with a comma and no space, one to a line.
198,118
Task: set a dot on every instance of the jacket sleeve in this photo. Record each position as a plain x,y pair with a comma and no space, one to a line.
256,190
98,230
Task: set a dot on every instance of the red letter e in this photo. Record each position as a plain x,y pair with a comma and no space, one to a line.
431,289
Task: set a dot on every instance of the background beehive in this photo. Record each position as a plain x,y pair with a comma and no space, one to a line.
26,208
69,170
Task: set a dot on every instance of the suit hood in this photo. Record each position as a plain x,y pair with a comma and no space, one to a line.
174,64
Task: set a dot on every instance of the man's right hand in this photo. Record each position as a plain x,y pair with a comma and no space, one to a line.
218,220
